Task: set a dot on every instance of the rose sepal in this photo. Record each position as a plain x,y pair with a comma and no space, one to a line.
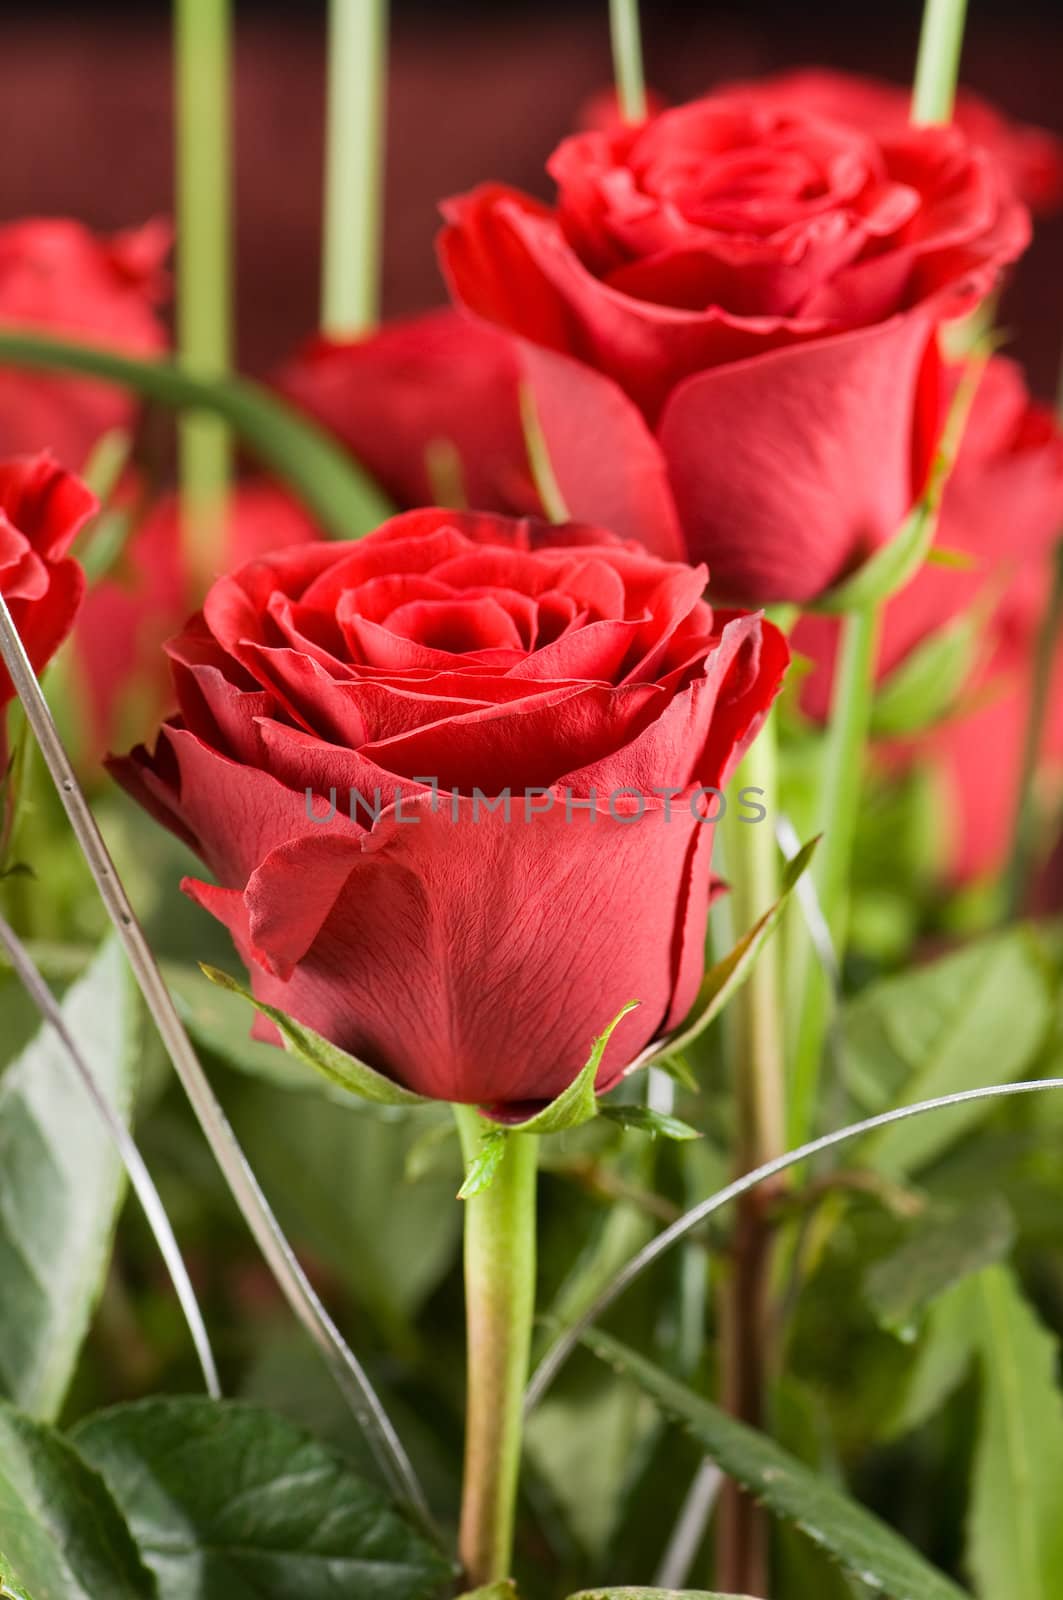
728,975
318,1052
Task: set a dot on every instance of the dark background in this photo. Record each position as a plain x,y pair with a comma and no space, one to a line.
476,91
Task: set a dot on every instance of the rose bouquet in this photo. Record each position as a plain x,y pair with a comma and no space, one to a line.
607,732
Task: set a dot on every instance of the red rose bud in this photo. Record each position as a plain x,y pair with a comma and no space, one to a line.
41,509
58,278
429,406
1031,157
130,613
451,782
1001,514
728,324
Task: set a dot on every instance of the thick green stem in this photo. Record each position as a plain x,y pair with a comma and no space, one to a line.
760,1089
500,1305
838,809
627,59
350,257
202,51
938,64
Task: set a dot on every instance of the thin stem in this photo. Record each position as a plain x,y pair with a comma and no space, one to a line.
567,1341
334,489
760,1091
140,1178
202,72
938,63
354,142
627,59
500,1305
1024,843
838,810
346,1370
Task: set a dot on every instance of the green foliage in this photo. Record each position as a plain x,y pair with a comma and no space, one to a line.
61,1535
977,1017
940,1251
1015,1522
864,1546
61,1184
227,1501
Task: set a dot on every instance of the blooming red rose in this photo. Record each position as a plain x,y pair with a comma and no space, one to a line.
469,948
1032,157
429,405
1003,511
58,278
128,615
41,509
728,323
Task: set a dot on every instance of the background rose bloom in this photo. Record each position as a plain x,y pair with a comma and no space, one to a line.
1003,511
737,303
470,955
430,407
41,509
1032,157
58,278
129,614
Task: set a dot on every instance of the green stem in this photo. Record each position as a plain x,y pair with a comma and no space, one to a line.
500,1305
760,1093
841,784
202,50
331,485
1024,843
753,865
938,63
350,263
627,59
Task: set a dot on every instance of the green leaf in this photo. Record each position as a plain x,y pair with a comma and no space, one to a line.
641,1119
940,1252
318,1052
482,1170
975,1018
862,1545
722,980
61,1183
229,1502
927,684
9,1589
63,1536
1015,1521
578,1103
654,1594
336,491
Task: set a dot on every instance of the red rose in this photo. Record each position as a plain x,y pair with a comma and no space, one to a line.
1003,511
58,278
129,614
1032,157
41,509
450,657
430,407
728,325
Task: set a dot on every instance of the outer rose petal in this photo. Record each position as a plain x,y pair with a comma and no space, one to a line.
480,959
607,463
790,468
